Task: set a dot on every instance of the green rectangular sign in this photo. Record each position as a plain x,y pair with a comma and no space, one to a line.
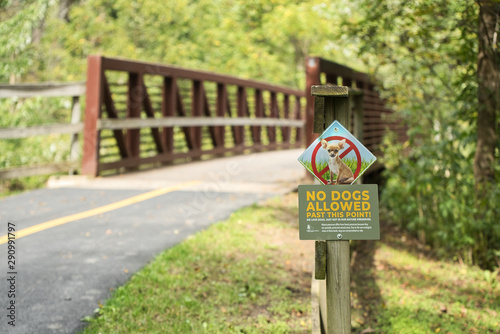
339,212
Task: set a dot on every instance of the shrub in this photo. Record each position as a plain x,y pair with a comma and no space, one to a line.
430,192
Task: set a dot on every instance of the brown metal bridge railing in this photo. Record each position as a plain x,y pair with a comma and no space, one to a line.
370,118
141,114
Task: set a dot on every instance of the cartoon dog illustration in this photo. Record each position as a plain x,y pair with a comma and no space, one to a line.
336,165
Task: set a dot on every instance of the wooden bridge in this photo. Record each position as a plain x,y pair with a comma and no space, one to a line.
141,115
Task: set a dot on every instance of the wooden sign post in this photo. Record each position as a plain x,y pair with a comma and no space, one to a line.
339,212
332,103
338,278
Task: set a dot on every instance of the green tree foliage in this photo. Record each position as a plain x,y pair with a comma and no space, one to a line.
20,28
49,40
258,39
424,54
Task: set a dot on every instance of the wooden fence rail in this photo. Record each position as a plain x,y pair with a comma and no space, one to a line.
140,114
73,90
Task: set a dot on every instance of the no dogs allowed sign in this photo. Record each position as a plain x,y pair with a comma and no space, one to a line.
338,212
343,211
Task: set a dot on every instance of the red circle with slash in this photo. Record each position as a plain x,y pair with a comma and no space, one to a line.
319,174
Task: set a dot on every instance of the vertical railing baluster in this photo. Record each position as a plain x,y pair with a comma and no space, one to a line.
230,115
241,112
299,134
188,136
273,113
208,113
197,111
221,109
134,103
259,113
285,130
168,107
75,119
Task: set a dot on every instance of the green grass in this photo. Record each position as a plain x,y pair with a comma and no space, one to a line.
424,295
351,163
399,289
251,274
15,186
235,277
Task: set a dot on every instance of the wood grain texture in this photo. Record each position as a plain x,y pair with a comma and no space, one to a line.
329,90
320,259
338,302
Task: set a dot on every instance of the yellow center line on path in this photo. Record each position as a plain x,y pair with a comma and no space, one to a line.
96,211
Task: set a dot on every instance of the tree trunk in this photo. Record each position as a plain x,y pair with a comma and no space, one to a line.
488,76
64,7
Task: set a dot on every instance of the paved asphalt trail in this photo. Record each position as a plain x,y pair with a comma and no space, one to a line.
64,271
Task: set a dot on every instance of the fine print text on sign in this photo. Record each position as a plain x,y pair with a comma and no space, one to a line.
339,212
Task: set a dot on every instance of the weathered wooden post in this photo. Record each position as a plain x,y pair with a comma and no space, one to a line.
336,213
331,102
75,119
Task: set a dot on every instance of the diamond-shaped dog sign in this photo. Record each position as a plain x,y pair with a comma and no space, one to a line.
337,157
